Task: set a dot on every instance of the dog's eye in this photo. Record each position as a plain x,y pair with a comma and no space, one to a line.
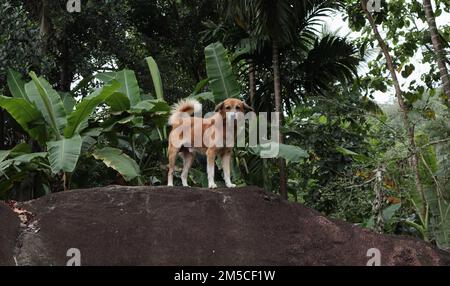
228,107
238,107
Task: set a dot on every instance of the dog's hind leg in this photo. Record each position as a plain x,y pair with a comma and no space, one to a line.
172,153
210,165
188,158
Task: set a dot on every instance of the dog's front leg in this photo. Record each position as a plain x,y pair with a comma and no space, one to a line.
211,162
226,166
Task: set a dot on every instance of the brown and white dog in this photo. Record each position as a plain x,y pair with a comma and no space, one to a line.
212,131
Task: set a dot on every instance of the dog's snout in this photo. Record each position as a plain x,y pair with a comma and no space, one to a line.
231,115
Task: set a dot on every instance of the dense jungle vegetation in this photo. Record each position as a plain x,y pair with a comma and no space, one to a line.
86,96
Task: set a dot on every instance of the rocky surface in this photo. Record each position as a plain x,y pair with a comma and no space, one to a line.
119,225
9,231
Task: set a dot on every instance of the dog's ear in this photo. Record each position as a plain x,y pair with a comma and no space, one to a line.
248,107
219,107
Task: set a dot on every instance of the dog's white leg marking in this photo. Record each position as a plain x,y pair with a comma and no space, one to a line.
226,166
211,183
188,158
211,158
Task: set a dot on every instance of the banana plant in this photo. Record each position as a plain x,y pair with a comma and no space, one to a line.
40,111
127,136
61,125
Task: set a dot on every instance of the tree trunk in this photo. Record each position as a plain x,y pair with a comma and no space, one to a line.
438,50
44,28
377,205
279,109
2,130
65,72
404,109
251,82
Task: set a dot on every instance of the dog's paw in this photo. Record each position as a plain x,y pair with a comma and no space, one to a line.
231,185
212,186
170,185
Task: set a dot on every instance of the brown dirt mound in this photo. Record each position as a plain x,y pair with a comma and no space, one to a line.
177,226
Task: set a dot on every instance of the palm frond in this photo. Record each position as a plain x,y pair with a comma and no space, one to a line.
331,59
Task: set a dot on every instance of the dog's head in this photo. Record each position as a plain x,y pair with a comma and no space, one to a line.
232,107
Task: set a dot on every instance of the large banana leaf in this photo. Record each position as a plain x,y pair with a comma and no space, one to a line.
48,102
157,83
106,76
129,86
200,86
204,96
25,115
122,163
16,159
19,149
152,105
118,102
290,153
5,165
63,154
222,81
77,121
156,77
132,121
27,158
16,151
68,100
16,84
4,154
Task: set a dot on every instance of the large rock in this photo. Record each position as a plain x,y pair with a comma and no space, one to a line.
178,226
9,231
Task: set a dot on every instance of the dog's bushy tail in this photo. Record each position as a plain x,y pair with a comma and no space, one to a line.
184,108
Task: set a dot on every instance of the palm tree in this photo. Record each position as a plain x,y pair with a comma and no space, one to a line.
280,25
238,14
438,50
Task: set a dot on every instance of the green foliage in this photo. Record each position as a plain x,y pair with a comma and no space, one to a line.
48,102
63,154
156,76
26,114
18,164
122,163
77,121
100,114
118,103
288,152
129,86
64,131
220,74
16,84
